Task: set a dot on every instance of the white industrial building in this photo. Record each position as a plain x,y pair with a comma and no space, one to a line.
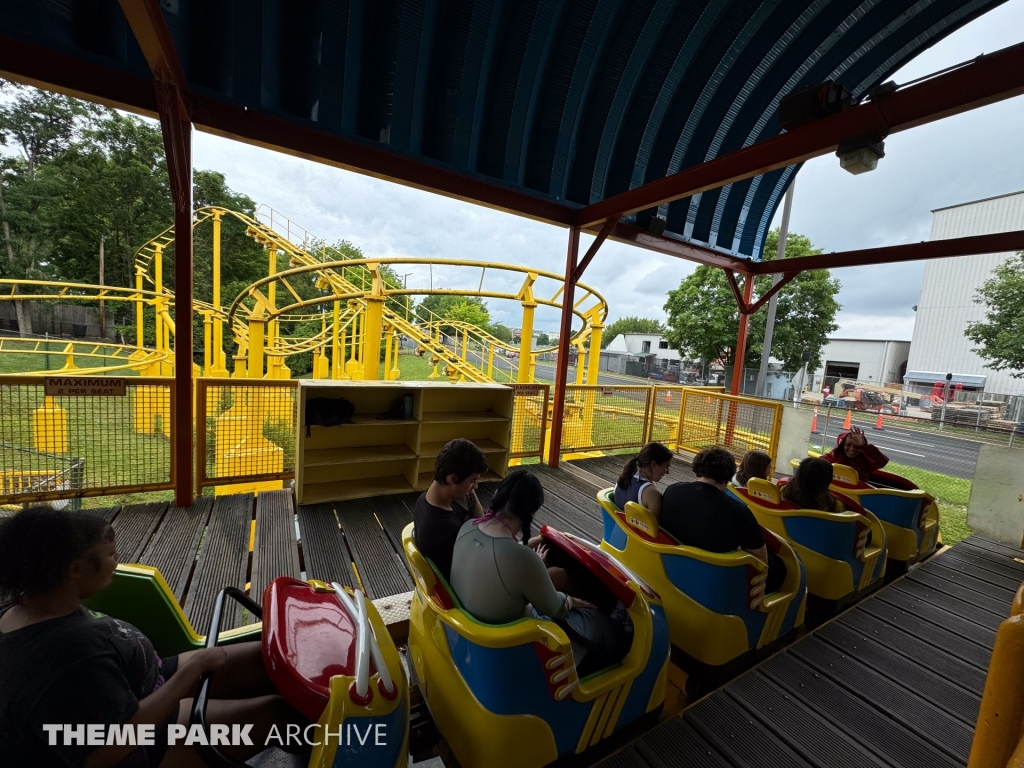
642,344
947,304
867,360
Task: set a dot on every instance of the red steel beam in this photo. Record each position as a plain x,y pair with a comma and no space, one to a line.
988,79
786,280
606,230
147,23
740,353
562,365
680,249
1002,242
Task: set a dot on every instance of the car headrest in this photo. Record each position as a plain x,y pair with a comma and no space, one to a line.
764,489
845,474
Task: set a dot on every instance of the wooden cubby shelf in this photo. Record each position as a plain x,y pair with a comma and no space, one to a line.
374,456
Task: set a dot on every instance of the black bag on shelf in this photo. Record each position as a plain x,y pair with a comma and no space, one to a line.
328,412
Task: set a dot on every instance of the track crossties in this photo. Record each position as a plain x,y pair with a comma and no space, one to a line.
895,681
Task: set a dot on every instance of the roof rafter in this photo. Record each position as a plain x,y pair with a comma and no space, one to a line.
988,79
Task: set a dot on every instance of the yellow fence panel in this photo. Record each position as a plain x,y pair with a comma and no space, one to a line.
737,423
248,435
529,420
93,441
605,418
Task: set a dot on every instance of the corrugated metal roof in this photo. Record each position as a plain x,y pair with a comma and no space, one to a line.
570,100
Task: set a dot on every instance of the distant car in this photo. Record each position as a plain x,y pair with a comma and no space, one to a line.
655,375
670,376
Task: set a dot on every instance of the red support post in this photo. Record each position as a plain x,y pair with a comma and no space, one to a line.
562,366
741,337
177,134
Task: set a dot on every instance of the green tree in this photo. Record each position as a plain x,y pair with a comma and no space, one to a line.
1001,335
630,325
703,319
38,126
543,340
501,332
467,309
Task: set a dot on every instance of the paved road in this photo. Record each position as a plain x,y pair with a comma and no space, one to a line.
925,450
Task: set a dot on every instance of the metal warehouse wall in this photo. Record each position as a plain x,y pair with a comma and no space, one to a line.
947,303
879,361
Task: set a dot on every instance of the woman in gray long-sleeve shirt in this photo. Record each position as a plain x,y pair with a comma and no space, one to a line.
496,577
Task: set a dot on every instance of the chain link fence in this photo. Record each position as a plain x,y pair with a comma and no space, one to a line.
248,431
80,443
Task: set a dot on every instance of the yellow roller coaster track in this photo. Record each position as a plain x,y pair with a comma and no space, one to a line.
360,299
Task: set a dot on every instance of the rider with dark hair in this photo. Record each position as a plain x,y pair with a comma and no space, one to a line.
809,487
701,514
638,478
496,577
754,464
854,450
62,663
439,511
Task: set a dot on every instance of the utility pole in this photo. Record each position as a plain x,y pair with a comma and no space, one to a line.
103,239
769,328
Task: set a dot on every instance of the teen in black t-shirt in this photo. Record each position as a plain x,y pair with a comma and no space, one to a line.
61,663
701,514
438,515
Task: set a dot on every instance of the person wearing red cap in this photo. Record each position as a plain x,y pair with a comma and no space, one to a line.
853,450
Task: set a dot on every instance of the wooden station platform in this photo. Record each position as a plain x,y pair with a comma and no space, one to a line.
243,540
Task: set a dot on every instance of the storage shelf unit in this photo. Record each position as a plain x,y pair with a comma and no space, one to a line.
372,456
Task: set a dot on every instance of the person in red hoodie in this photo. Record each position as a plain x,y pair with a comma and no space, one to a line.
853,450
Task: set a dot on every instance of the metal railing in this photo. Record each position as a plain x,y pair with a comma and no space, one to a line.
738,423
529,420
600,418
78,445
248,430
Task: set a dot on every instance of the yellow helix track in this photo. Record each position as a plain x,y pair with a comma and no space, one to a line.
352,284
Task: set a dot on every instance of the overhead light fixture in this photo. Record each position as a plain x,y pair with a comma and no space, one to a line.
860,155
656,226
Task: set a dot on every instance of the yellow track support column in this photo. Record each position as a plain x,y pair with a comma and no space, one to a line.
580,362
219,368
396,374
526,340
140,336
352,365
158,280
256,341
594,355
490,361
373,326
387,356
50,427
207,343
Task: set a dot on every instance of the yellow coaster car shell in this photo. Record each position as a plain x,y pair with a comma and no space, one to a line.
832,545
909,515
715,602
139,595
509,695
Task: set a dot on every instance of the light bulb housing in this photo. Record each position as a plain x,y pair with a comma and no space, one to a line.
860,155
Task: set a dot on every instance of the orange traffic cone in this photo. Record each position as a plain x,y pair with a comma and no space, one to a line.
878,424
814,421
846,424
668,397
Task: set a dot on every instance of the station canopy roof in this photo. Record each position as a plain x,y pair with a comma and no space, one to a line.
934,377
538,107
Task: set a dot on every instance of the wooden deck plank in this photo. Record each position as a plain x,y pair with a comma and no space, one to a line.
324,551
276,549
175,544
223,562
134,527
380,570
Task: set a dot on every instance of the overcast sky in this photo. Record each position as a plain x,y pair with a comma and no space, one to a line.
956,160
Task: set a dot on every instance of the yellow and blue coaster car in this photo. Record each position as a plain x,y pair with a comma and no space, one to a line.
834,546
509,695
909,515
716,604
325,647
